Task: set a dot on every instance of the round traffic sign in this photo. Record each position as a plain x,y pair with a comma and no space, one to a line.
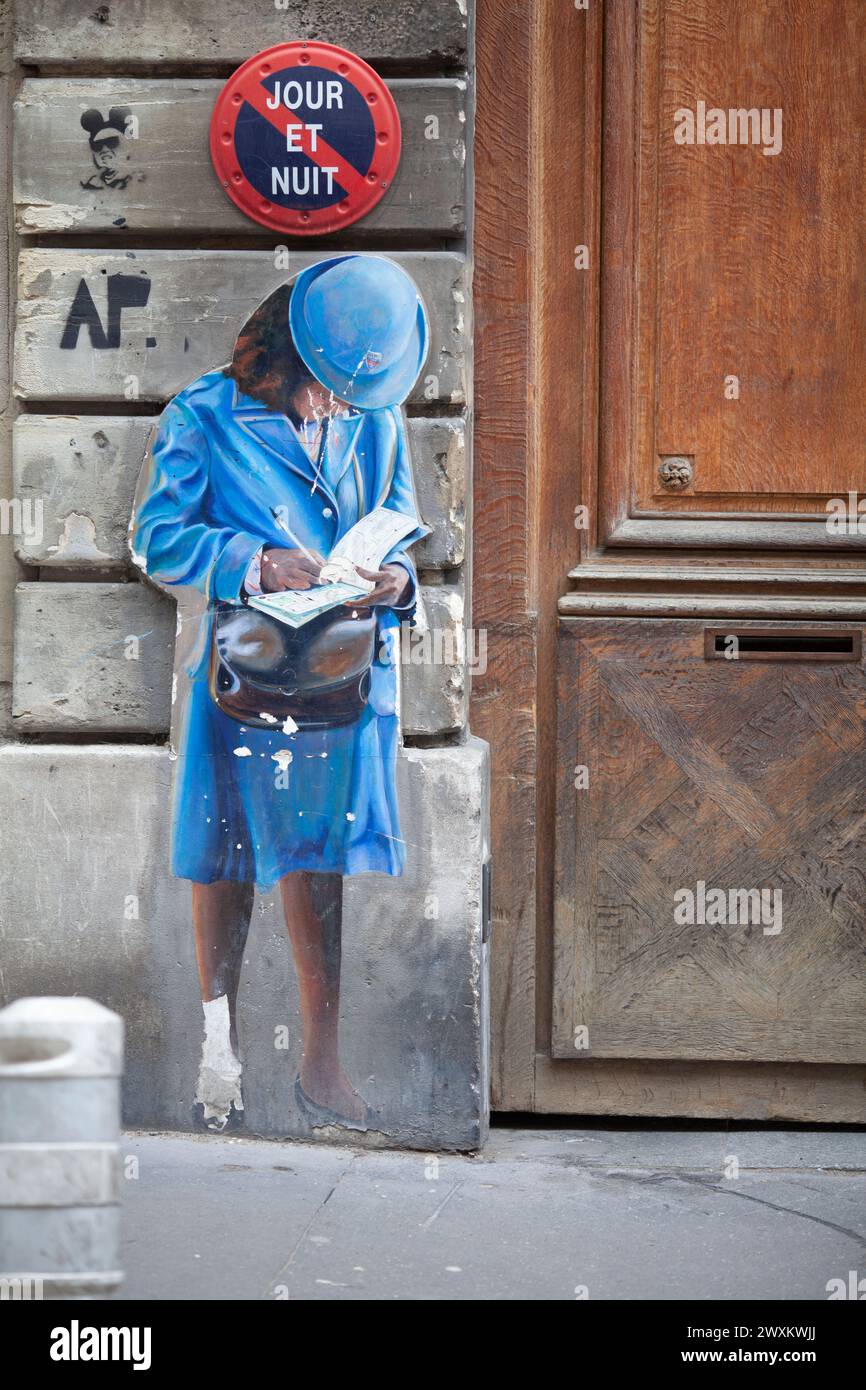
305,138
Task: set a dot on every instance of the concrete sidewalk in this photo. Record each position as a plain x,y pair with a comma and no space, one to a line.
541,1214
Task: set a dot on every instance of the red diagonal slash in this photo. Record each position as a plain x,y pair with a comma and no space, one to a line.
347,175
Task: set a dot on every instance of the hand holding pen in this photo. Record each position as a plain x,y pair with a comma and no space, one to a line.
294,568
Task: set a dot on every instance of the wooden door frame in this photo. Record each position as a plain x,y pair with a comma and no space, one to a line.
534,105
538,141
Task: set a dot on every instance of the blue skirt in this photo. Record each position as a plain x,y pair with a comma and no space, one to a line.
254,804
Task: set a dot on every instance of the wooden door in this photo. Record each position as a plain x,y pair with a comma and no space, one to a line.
670,352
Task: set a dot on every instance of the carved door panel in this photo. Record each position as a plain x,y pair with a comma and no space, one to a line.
733,317
711,841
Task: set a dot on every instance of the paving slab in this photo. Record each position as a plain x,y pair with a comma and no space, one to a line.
602,1213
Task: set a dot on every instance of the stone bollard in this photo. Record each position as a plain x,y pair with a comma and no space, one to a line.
60,1066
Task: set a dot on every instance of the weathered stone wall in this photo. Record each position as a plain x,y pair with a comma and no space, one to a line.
9,568
94,912
86,901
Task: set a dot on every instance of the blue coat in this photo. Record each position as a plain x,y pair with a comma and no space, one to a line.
219,466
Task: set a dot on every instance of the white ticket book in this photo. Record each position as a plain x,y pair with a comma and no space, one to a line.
365,545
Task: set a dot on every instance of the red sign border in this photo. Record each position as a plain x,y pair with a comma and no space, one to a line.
367,190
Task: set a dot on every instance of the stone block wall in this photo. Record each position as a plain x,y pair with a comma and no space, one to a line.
87,904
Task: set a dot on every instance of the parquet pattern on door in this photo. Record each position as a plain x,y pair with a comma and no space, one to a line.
743,775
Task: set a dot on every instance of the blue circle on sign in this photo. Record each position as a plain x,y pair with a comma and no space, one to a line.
319,97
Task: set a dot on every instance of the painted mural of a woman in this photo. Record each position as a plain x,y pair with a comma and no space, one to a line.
288,735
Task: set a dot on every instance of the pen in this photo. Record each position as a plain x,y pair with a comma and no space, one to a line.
284,526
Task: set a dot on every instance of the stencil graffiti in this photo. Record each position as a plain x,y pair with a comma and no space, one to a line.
108,137
124,292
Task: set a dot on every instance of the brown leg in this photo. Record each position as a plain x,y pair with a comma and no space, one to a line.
313,907
221,915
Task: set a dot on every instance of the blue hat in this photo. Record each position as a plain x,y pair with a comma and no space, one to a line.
358,323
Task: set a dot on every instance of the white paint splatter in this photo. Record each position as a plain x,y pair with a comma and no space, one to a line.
51,217
268,718
242,752
219,1077
282,758
78,539
289,725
